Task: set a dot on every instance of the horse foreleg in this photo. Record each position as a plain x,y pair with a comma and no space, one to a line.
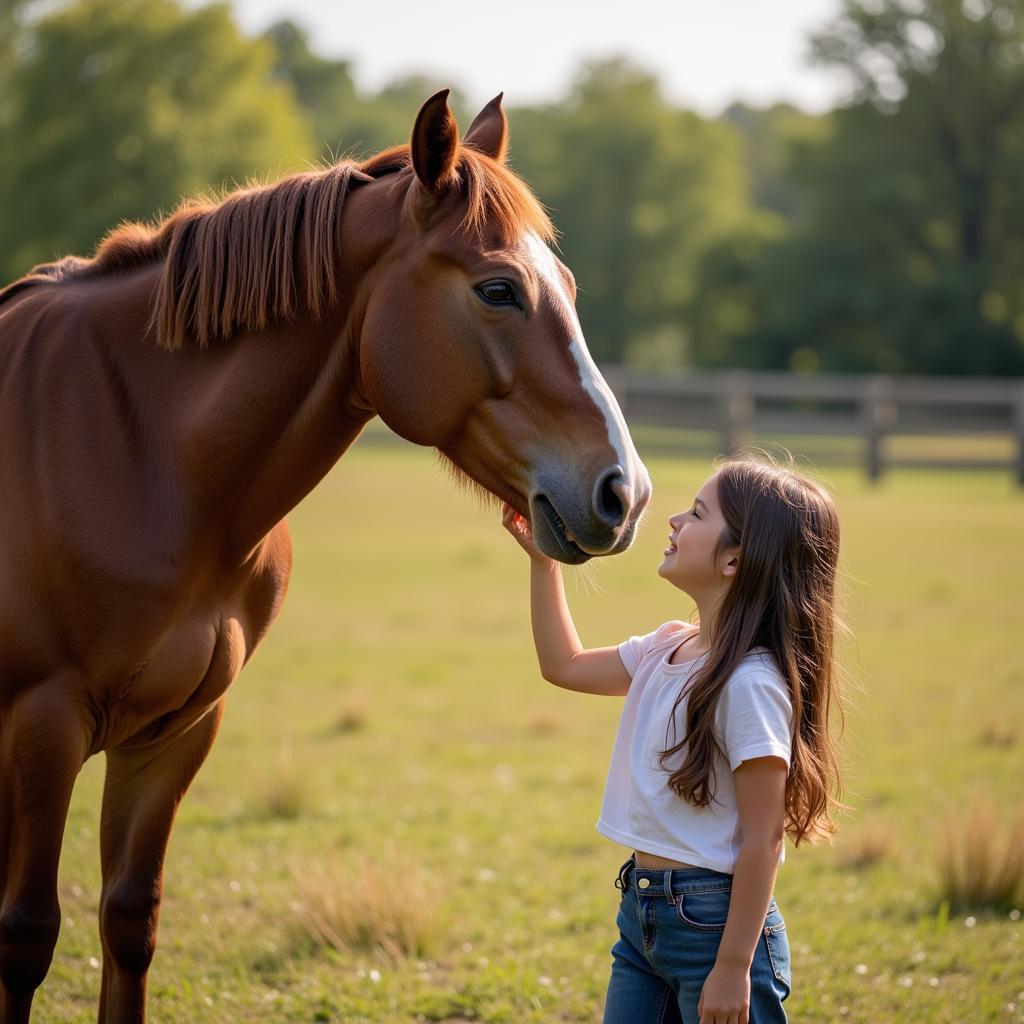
143,788
42,747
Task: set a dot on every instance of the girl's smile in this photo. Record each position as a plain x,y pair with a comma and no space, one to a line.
693,560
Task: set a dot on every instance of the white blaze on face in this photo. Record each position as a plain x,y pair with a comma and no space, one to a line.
542,259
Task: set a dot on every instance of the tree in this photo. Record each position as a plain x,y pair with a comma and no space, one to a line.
768,136
907,242
120,108
914,198
345,122
638,190
324,88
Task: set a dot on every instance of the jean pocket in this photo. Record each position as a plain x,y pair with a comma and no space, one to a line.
778,953
704,911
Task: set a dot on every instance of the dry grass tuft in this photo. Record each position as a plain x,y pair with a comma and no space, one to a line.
998,734
975,868
868,846
544,723
354,712
288,791
388,905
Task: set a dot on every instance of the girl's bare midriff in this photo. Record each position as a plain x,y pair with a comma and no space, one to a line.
650,860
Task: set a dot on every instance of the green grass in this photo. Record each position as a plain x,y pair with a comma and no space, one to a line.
401,675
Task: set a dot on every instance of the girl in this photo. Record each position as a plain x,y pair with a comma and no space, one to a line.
723,746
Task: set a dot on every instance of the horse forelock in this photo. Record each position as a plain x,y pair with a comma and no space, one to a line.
494,196
231,263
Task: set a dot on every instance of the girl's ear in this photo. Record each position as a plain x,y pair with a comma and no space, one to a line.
731,561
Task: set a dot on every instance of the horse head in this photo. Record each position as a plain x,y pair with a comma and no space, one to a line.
471,343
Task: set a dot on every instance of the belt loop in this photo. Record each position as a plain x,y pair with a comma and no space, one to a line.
620,882
669,895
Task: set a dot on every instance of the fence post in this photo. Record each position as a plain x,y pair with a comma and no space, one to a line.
879,416
1018,429
738,419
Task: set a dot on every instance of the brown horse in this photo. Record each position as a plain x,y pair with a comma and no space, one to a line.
165,404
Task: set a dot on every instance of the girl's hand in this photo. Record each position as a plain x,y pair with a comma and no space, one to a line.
725,998
518,526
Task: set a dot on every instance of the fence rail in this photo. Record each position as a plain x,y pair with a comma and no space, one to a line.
872,407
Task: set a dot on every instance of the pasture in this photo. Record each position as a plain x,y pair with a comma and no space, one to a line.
395,716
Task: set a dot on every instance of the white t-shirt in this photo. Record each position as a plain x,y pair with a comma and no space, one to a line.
754,718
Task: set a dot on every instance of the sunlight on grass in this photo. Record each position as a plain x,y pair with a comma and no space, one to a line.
407,682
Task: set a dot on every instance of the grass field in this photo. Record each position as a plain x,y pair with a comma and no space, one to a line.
396,706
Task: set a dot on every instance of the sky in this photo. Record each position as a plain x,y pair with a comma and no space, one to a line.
706,53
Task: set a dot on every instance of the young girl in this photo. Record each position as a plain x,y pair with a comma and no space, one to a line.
723,746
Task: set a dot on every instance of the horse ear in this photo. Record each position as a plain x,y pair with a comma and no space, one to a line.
435,142
489,131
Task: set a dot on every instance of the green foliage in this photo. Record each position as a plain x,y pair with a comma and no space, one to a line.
903,250
885,236
323,87
638,190
345,123
120,108
910,253
768,136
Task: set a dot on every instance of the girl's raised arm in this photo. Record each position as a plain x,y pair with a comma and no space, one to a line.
562,658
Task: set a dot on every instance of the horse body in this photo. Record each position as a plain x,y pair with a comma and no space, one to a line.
127,610
127,564
146,479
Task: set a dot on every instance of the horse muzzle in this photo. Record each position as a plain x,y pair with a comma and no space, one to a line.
574,524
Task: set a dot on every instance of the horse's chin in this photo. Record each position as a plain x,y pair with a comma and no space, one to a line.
567,552
551,536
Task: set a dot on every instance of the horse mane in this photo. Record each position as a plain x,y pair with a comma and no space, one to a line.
233,263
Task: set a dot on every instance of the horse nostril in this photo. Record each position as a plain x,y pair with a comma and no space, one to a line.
611,498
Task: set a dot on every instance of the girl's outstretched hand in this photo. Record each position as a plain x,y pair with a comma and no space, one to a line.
519,527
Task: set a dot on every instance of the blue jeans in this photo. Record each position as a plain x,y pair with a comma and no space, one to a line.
670,926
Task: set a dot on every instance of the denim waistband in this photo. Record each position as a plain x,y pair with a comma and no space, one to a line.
670,882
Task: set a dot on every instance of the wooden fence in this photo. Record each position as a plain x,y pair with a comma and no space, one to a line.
871,407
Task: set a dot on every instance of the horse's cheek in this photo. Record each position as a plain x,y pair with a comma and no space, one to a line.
418,376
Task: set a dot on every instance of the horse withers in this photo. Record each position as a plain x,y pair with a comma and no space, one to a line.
164,404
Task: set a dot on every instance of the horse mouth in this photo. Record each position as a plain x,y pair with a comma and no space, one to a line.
569,551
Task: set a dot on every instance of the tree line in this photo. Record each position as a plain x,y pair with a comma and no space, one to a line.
886,235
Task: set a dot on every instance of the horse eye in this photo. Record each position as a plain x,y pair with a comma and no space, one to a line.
497,293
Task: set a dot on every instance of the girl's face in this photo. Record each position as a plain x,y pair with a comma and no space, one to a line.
689,561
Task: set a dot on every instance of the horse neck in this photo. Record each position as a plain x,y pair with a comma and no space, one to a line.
252,424
300,413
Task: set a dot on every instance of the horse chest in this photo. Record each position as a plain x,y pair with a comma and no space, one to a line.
191,667
199,655
197,660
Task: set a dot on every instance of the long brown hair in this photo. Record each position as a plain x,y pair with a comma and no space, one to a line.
783,598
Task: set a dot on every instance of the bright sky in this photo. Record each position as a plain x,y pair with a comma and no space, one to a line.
705,52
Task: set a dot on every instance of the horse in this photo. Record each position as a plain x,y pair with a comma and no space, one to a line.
163,406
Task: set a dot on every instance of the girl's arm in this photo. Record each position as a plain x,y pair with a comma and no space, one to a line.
761,801
562,658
